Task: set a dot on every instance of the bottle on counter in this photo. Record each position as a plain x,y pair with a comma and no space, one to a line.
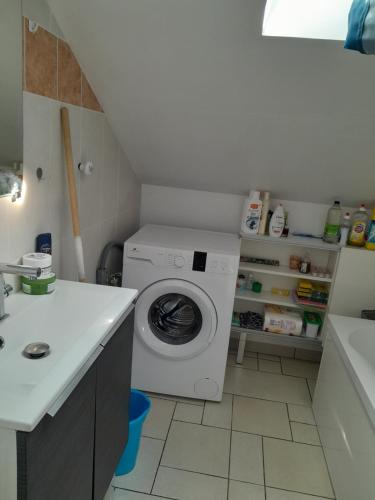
265,208
357,235
370,243
345,229
332,227
251,214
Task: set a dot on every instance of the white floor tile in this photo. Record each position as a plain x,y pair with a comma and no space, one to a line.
312,384
197,448
273,494
307,355
251,354
188,413
159,418
110,495
302,414
133,495
178,399
184,485
269,366
266,386
246,460
269,357
296,467
248,362
245,491
271,349
219,414
305,433
142,477
259,416
297,368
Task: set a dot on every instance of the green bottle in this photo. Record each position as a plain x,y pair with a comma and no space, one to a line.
332,227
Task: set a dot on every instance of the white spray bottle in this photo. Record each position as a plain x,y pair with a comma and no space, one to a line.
251,214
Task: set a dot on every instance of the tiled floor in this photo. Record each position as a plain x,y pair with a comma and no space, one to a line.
259,443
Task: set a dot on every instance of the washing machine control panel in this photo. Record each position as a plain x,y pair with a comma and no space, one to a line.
179,261
184,260
220,264
202,262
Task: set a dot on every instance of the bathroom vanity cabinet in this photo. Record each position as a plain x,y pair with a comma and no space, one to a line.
73,454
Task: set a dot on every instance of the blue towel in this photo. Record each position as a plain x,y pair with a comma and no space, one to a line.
361,33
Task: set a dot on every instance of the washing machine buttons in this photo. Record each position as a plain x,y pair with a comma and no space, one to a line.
179,261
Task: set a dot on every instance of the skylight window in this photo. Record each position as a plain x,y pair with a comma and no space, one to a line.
324,19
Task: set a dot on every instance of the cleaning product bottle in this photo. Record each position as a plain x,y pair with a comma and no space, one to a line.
277,222
285,232
370,243
265,208
252,211
358,229
332,227
345,228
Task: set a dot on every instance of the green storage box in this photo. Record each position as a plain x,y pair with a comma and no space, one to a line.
312,322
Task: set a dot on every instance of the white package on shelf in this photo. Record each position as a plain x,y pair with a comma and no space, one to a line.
278,319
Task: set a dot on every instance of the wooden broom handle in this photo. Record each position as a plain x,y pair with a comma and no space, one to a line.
70,171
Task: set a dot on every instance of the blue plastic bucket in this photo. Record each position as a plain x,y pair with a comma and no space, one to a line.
139,408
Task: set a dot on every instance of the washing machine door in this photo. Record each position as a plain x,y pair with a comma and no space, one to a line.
175,319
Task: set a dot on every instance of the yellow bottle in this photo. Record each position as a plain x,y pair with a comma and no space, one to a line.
370,243
358,230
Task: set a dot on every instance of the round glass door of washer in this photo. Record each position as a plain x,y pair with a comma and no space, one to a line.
175,318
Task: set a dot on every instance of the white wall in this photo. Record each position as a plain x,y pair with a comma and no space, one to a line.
200,100
354,288
218,211
109,200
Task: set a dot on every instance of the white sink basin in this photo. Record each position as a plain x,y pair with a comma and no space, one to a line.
74,321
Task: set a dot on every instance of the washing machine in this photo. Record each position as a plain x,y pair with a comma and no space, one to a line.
186,280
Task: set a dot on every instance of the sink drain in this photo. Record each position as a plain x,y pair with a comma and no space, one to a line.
36,350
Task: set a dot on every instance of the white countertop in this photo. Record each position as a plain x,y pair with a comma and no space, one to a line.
355,340
75,321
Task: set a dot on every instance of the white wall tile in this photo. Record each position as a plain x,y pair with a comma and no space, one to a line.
45,206
92,142
109,174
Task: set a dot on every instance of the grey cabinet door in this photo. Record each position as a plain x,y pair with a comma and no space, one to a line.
55,461
112,401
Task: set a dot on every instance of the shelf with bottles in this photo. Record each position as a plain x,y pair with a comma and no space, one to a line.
283,269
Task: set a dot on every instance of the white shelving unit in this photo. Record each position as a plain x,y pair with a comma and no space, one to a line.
270,298
322,254
279,271
296,241
265,298
279,339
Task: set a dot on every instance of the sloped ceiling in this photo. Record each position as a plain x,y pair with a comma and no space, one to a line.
200,100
